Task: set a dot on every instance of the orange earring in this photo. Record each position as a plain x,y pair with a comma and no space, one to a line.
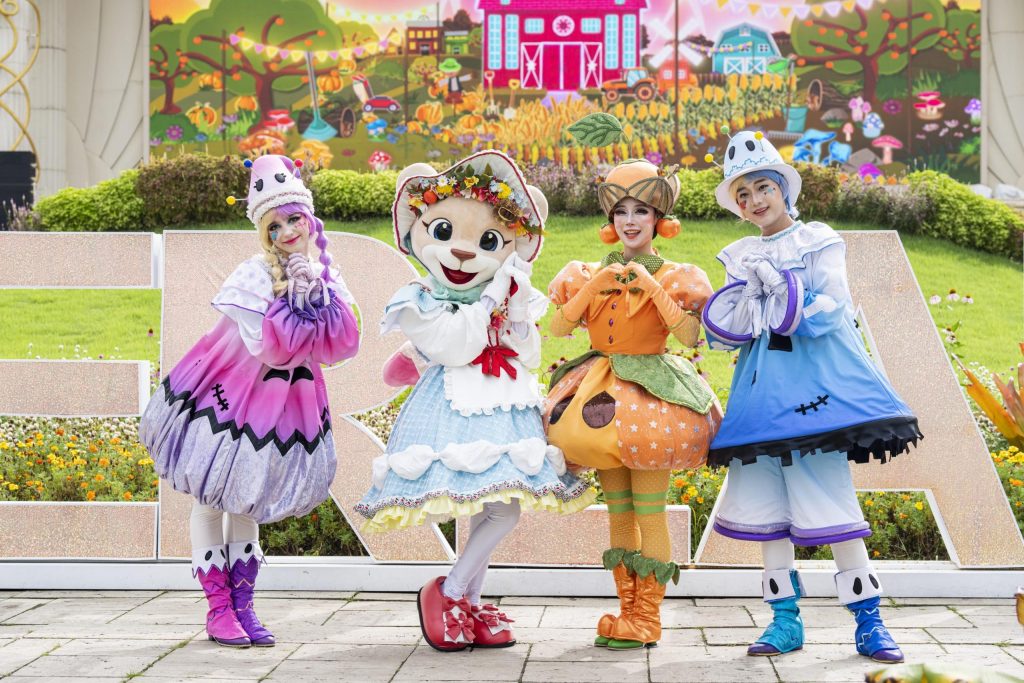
668,227
608,234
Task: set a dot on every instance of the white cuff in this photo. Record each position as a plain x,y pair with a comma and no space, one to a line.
859,584
205,559
777,585
245,551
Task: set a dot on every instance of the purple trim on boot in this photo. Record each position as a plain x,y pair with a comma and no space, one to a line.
750,536
243,584
715,329
793,292
222,625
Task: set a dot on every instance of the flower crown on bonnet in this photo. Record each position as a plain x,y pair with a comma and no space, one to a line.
511,206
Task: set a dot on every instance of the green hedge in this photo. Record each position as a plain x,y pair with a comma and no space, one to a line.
344,195
965,218
109,206
191,189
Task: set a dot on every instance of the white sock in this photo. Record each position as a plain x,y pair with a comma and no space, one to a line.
778,554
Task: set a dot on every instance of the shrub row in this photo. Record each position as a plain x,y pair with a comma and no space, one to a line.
191,189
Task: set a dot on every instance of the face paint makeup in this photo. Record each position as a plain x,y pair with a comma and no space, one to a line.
273,235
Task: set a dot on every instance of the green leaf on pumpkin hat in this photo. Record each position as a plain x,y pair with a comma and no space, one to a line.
597,130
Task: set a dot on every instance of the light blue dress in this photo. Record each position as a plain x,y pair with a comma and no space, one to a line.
463,438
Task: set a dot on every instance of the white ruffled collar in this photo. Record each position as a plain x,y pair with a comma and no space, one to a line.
785,249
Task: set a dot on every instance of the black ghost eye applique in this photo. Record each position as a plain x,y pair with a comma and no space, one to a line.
259,185
281,177
750,145
732,151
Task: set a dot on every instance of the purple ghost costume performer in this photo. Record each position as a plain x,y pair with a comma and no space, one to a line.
242,422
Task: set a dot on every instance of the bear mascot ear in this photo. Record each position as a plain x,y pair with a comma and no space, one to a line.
540,201
413,170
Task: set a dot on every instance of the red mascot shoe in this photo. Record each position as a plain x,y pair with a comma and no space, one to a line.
447,624
491,628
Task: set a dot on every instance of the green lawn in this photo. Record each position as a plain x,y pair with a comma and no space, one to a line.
50,323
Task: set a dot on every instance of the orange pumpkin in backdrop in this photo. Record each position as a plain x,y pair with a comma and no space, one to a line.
429,113
202,115
330,82
246,103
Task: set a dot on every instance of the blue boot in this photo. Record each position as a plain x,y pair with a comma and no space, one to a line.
786,632
860,590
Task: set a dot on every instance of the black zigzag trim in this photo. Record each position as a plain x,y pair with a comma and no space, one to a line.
236,433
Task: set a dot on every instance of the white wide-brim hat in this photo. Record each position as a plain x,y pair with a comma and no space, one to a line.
750,151
534,204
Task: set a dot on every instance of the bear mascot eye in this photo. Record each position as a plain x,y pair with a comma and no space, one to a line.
440,229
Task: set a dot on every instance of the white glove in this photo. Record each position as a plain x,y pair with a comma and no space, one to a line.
519,303
771,278
298,268
498,288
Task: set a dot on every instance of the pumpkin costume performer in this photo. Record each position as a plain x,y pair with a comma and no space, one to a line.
626,407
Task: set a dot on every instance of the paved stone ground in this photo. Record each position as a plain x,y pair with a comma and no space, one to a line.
330,636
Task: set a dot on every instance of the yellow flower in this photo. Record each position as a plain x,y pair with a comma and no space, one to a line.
39,436
919,505
115,441
415,201
93,449
443,190
700,499
869,502
503,191
692,491
145,461
875,553
12,487
470,181
1013,449
90,495
4,445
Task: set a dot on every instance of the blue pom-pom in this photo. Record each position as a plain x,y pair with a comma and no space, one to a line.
247,163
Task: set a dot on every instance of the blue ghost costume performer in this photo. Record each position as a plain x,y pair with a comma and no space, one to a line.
805,398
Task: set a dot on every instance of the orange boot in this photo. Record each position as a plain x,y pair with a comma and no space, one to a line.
625,586
643,627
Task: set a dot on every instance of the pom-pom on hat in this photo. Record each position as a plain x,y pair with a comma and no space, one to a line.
490,177
275,181
750,151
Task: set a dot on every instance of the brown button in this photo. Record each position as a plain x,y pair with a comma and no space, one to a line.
614,306
610,340
611,321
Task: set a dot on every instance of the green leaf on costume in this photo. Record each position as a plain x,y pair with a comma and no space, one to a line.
596,130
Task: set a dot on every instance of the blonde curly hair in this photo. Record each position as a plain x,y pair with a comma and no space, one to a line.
273,256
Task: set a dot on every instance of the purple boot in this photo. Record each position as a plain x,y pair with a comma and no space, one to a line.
245,557
210,566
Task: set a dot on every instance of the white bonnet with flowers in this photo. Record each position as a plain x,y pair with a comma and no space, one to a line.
490,177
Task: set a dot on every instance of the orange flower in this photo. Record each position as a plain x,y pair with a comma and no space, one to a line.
90,495
104,462
98,477
127,495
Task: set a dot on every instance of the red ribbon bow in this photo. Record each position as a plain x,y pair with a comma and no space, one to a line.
458,625
490,615
494,358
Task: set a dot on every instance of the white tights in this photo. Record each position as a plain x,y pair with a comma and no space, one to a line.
207,527
780,554
486,529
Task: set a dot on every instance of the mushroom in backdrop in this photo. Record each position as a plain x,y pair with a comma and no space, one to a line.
869,171
930,106
848,130
873,126
974,109
379,160
887,143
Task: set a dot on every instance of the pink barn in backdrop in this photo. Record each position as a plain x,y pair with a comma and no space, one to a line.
560,46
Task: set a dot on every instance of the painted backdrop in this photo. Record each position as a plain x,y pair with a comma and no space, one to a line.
877,87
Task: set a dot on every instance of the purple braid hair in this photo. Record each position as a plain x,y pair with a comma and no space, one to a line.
321,238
